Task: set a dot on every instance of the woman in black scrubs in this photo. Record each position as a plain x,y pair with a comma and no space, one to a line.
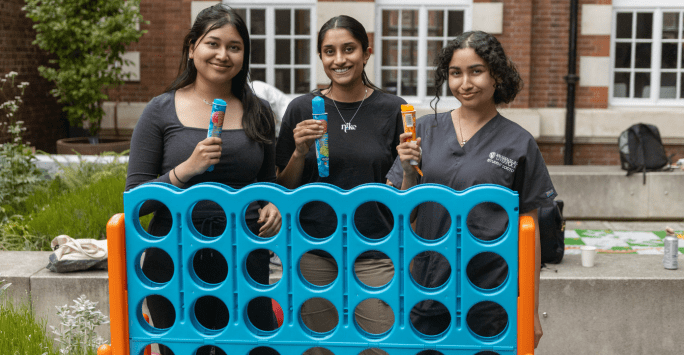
471,145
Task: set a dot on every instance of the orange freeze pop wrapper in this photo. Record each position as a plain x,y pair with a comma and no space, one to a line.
408,115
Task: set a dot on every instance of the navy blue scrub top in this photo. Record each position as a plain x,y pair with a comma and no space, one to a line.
501,153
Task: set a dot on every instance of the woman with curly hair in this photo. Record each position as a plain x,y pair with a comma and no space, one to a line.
471,145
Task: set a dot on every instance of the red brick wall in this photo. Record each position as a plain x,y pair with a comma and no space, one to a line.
42,115
595,154
160,49
517,42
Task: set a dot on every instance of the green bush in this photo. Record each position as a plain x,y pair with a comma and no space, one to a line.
21,333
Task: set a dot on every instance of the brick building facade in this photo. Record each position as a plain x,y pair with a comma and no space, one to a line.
534,33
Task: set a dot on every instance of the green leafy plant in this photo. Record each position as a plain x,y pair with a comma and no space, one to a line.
18,174
88,38
76,333
20,332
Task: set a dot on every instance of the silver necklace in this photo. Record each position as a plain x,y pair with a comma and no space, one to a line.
461,129
205,101
347,125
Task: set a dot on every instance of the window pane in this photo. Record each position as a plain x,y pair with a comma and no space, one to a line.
302,51
282,23
258,51
409,82
242,13
621,85
624,25
302,80
302,19
282,51
258,22
409,23
433,48
643,55
436,23
390,22
668,85
669,56
642,85
430,83
644,25
258,74
455,23
390,54
282,77
670,25
389,81
409,53
623,55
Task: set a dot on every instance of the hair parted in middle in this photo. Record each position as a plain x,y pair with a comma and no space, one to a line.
501,68
357,31
256,120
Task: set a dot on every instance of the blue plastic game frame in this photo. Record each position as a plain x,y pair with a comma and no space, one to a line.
345,293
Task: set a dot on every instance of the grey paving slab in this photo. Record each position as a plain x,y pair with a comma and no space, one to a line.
16,267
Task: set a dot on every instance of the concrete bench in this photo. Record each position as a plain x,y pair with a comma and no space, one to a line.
626,304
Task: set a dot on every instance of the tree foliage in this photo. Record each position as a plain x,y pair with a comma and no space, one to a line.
88,38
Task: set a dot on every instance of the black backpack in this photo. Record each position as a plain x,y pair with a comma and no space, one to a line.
641,149
552,232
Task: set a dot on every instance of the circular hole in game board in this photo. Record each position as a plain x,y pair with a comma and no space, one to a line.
259,267
161,310
318,267
429,352
210,350
162,226
430,269
374,268
157,265
434,220
156,348
318,351
261,313
373,220
210,266
487,270
318,219
374,316
373,351
211,313
263,350
319,314
208,218
487,319
487,221
271,223
435,323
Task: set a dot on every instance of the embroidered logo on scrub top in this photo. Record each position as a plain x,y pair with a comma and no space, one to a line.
505,163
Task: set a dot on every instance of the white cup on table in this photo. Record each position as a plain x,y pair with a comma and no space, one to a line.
588,255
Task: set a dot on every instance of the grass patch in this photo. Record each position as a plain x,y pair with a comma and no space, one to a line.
21,333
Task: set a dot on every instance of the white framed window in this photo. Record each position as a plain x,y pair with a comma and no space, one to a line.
283,44
408,39
647,56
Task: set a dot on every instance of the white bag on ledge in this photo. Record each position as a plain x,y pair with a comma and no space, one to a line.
77,254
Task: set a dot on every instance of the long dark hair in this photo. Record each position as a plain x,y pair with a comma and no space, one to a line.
357,31
256,120
501,68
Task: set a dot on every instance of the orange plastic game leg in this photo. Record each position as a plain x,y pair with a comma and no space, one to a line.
118,304
526,254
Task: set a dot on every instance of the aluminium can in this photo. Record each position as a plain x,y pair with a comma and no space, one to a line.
671,249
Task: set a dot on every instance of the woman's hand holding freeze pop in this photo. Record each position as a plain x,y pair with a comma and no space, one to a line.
207,153
408,151
305,134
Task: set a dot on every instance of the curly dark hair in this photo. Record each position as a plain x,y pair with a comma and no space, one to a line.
502,69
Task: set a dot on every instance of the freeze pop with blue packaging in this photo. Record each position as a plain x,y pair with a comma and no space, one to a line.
218,112
322,152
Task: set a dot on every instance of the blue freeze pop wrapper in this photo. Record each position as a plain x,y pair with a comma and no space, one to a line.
218,112
322,152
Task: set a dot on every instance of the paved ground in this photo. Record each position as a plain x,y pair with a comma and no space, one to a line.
620,237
